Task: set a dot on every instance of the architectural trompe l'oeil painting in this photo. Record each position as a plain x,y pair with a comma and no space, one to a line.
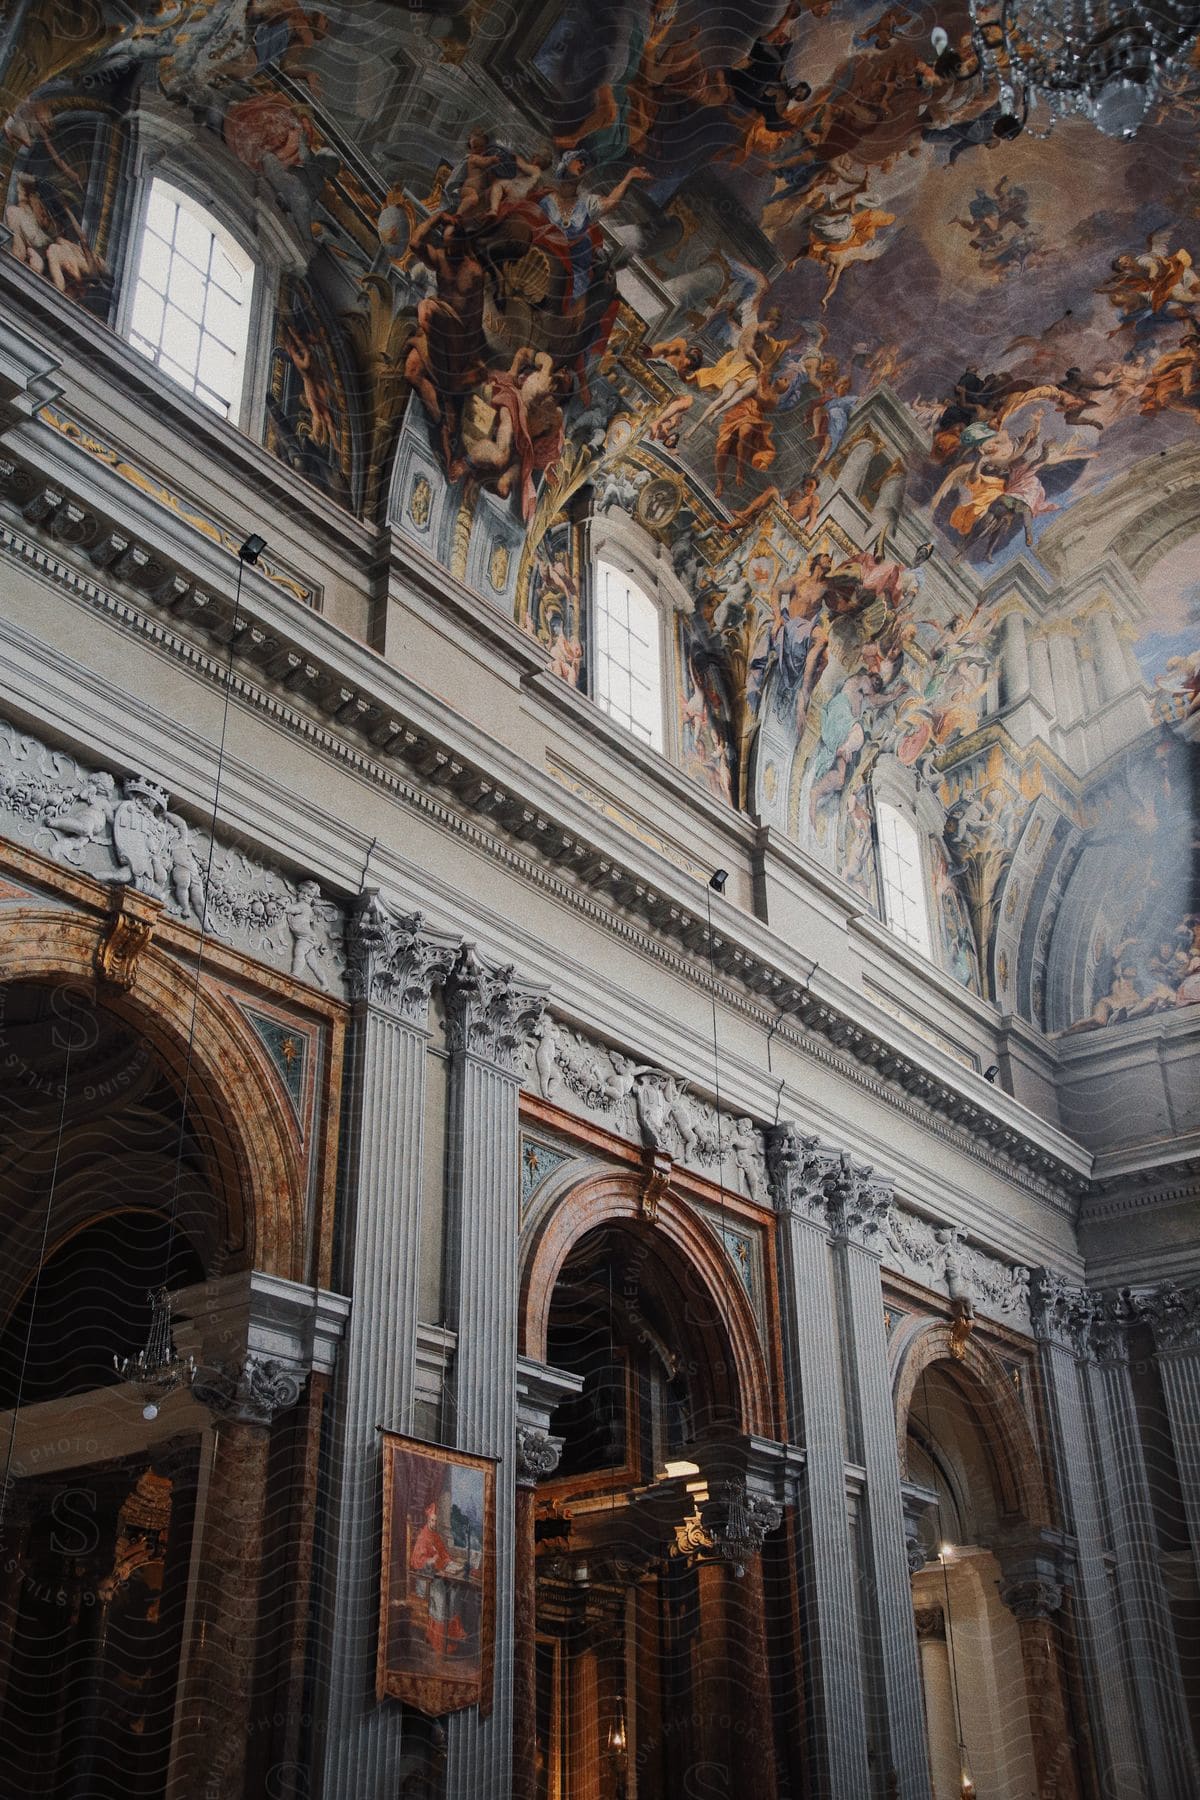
885,398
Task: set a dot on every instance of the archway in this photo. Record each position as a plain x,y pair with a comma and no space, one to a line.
988,1594
650,1648
136,1154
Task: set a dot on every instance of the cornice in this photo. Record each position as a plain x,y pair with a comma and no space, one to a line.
342,699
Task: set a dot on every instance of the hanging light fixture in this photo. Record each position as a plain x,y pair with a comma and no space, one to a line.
156,1370
1111,61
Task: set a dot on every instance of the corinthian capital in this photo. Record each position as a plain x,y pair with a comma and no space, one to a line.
797,1166
489,1013
392,960
858,1206
1173,1313
1060,1312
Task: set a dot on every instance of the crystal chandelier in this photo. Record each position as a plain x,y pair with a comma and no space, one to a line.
156,1370
1110,61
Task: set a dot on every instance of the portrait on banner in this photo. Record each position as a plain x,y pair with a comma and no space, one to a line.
438,1584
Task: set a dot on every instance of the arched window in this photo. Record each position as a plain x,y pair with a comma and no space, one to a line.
191,301
627,666
901,866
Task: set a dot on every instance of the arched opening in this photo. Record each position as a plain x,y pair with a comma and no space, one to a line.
110,1190
649,1607
997,1709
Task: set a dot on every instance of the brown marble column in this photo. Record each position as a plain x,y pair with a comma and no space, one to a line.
525,1648
1034,1605
210,1756
754,1725
713,1696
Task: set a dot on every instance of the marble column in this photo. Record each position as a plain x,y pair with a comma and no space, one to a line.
490,1016
392,964
1015,656
857,1209
1041,677
213,1721
836,1751
1150,1645
1061,1317
1035,1601
540,1389
941,1725
1109,654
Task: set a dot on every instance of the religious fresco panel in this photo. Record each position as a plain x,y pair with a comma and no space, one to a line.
759,278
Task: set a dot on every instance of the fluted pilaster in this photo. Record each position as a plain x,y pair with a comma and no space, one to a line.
836,1722
393,963
1062,1318
490,1016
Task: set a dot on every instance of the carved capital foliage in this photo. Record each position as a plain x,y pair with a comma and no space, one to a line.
537,1454
489,1013
858,1206
1112,1315
393,961
1173,1314
827,1186
253,1391
931,1623
1061,1312
1037,1599
796,1168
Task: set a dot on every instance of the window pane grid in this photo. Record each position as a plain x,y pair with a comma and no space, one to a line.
903,878
190,315
628,664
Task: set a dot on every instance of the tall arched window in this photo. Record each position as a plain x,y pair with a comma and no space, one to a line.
191,302
901,866
628,654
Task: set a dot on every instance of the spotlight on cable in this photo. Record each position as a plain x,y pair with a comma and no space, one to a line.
253,548
717,880
991,1072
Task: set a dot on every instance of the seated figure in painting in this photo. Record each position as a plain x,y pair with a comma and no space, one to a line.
431,1559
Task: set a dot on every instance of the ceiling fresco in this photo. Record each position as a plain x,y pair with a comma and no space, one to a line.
757,278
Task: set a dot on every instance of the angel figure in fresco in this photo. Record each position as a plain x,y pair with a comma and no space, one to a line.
842,740
321,426
745,435
753,353
30,123
846,230
512,428
802,506
446,353
1174,380
1160,284
45,245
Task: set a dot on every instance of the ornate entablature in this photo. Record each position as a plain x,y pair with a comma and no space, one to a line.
123,829
647,1106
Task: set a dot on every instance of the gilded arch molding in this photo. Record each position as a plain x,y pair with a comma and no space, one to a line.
614,1197
981,1376
232,1093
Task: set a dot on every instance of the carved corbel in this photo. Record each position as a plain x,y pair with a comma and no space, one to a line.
656,1180
133,919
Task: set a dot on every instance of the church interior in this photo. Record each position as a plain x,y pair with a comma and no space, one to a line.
599,900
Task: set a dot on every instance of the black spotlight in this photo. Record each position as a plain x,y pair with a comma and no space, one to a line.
717,880
991,1072
253,548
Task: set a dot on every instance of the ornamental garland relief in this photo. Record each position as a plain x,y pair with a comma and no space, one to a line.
647,1105
124,830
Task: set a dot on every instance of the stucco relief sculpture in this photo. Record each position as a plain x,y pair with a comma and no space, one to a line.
126,832
647,1105
974,1280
